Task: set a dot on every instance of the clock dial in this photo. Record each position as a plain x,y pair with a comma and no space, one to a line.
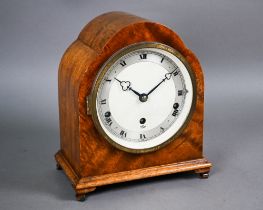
144,96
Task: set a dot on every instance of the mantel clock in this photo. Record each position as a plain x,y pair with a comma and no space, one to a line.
131,98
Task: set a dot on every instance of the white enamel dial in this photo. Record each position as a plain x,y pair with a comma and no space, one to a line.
143,98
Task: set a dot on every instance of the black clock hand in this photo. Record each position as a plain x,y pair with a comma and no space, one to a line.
155,87
126,85
167,77
138,94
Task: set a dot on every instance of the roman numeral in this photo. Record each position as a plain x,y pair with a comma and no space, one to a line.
108,80
162,59
123,63
143,56
103,101
142,136
175,106
162,129
108,121
175,112
123,134
180,92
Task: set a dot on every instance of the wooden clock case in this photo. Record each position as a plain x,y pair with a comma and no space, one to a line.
85,156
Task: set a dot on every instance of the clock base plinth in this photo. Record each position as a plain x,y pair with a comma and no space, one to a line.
84,185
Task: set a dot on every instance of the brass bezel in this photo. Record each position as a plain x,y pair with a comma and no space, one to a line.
104,69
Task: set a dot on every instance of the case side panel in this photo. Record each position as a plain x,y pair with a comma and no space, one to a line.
73,64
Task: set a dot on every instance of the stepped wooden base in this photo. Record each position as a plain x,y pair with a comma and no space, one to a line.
84,185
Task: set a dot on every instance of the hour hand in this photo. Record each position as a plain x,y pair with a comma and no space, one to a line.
125,85
138,94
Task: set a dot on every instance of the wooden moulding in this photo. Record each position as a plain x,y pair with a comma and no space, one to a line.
85,156
88,184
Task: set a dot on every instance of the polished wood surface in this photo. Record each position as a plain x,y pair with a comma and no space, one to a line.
89,184
83,150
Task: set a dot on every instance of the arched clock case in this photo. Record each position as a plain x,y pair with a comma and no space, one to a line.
131,103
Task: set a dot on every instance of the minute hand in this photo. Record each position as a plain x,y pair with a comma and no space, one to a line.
155,87
167,77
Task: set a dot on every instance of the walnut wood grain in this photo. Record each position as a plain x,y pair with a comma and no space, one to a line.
83,149
88,184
